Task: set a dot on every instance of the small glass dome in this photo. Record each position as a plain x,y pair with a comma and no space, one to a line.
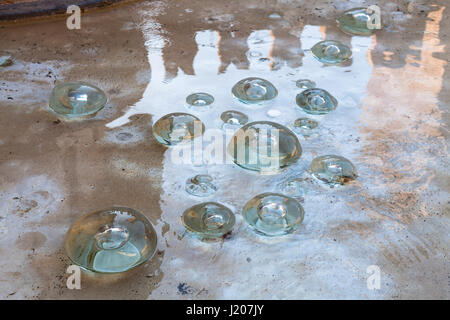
273,214
316,101
332,169
110,241
208,220
331,52
199,101
357,21
175,128
77,99
254,90
265,147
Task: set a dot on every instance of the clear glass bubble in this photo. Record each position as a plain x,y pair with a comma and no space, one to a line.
293,187
305,84
331,52
110,241
332,169
265,147
357,21
6,61
199,101
316,101
273,214
201,185
175,128
77,99
305,126
234,118
208,220
254,90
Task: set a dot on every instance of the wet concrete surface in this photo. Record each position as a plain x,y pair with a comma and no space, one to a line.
392,122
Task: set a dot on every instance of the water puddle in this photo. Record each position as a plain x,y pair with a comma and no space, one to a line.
215,55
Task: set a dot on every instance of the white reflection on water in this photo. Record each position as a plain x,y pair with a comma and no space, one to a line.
207,59
225,262
387,123
260,44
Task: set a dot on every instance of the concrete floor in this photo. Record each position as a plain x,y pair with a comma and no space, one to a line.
392,122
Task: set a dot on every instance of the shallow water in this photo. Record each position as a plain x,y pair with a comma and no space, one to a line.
236,187
346,131
387,123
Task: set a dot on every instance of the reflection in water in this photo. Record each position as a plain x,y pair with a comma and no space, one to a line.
207,58
395,141
287,49
208,75
373,99
404,151
260,44
207,70
233,48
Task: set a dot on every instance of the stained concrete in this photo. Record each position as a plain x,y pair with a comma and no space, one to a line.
392,122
